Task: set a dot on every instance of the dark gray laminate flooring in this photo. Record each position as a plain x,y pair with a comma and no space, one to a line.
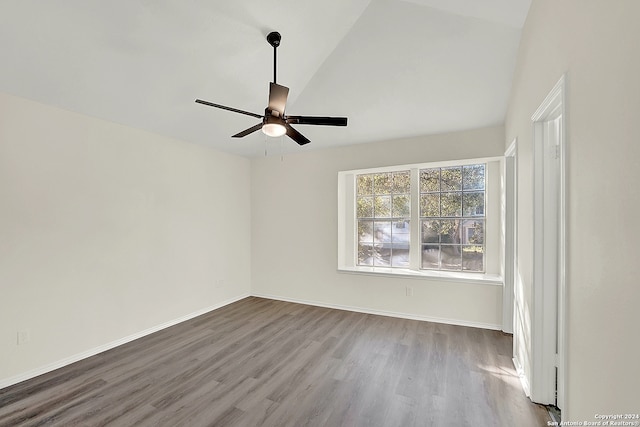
260,362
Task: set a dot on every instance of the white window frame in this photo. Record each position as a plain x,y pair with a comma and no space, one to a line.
392,219
347,225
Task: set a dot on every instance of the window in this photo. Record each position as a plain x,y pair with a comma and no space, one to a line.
435,219
383,213
452,219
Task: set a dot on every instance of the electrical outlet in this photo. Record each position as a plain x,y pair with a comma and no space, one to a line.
24,336
409,291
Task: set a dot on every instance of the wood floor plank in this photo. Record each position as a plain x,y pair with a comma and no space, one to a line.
261,362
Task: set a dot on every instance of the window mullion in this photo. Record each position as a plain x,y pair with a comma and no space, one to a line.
415,251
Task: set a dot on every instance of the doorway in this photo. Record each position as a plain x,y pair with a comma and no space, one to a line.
549,250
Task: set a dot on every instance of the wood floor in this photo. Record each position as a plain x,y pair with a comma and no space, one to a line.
260,362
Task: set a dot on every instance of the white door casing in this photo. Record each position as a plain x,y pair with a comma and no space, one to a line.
549,226
510,236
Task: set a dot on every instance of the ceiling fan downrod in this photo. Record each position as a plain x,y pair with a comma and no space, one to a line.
274,38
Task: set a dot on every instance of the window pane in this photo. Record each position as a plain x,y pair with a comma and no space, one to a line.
451,179
473,203
451,257
451,204
382,232
401,182
400,235
401,206
366,254
400,239
382,258
400,258
473,177
382,208
473,231
364,207
472,258
382,183
365,231
431,231
430,256
450,231
429,180
366,251
382,243
364,185
430,205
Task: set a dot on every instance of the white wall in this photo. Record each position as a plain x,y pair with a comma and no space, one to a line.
106,231
596,44
294,231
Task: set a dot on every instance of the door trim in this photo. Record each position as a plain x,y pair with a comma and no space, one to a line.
510,235
547,334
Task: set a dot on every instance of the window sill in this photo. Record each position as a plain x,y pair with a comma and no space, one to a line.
446,276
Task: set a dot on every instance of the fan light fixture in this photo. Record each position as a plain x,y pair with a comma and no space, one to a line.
273,129
272,125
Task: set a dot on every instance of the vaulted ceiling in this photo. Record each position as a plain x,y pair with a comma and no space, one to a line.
395,68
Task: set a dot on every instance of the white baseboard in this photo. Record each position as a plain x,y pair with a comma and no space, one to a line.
523,378
92,352
384,312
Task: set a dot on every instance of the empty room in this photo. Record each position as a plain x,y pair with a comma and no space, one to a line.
346,213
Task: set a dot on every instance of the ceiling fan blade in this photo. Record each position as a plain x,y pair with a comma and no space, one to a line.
278,97
235,110
314,120
246,132
296,136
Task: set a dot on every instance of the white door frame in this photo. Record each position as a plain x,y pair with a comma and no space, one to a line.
549,293
510,234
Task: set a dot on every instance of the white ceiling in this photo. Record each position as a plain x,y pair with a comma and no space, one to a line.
395,68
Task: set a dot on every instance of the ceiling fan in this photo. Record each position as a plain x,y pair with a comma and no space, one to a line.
274,121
